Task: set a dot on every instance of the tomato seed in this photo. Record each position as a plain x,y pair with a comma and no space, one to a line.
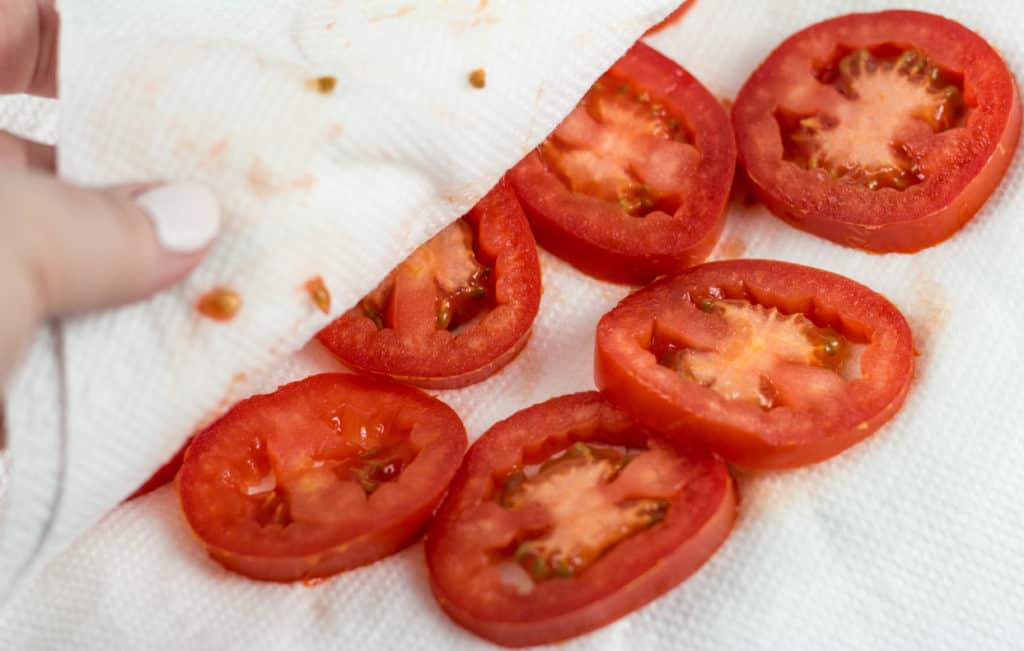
220,304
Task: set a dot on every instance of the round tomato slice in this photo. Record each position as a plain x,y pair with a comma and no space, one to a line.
566,516
634,183
883,131
768,364
321,476
456,310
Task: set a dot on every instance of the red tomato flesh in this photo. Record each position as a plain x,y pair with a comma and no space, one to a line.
567,516
768,364
883,131
634,183
321,476
456,310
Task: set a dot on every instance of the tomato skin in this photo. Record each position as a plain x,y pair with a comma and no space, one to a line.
628,374
886,220
390,518
672,18
163,475
628,576
599,238
445,360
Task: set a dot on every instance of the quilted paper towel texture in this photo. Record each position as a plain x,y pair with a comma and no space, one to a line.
909,541
338,182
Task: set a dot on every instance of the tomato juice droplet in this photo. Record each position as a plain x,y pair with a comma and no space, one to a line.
220,304
478,78
324,85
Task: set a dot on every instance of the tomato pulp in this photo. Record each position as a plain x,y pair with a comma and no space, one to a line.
456,310
768,364
885,131
321,476
634,183
568,515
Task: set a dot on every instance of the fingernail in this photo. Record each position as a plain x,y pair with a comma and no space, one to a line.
186,215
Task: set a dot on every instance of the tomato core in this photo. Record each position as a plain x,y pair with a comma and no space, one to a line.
753,342
890,98
585,526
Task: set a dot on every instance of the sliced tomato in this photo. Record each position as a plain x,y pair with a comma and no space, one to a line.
672,18
321,476
567,516
883,131
456,310
163,475
769,364
634,183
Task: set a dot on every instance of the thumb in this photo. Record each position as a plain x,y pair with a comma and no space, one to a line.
83,249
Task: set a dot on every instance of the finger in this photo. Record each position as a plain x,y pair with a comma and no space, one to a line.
19,152
81,249
28,47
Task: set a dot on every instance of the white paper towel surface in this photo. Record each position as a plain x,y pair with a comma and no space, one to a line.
911,540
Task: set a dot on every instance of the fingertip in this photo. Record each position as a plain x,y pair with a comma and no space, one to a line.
185,216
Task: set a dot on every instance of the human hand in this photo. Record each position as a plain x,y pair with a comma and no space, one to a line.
66,249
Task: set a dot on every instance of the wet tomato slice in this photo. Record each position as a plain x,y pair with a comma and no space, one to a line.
634,183
323,475
456,310
885,131
768,364
567,516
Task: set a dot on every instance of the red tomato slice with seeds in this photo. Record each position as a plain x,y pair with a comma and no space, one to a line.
567,516
885,131
768,364
456,310
321,476
634,183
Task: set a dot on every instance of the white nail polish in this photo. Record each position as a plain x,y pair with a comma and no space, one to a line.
186,215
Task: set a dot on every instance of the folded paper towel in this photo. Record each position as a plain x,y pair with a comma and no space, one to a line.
910,540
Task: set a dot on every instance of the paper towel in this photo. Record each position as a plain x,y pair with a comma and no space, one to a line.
909,541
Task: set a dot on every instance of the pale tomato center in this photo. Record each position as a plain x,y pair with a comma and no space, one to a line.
759,344
620,146
888,100
587,520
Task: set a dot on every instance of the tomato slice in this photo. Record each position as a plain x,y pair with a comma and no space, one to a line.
883,131
323,475
634,183
567,516
672,18
456,310
768,364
